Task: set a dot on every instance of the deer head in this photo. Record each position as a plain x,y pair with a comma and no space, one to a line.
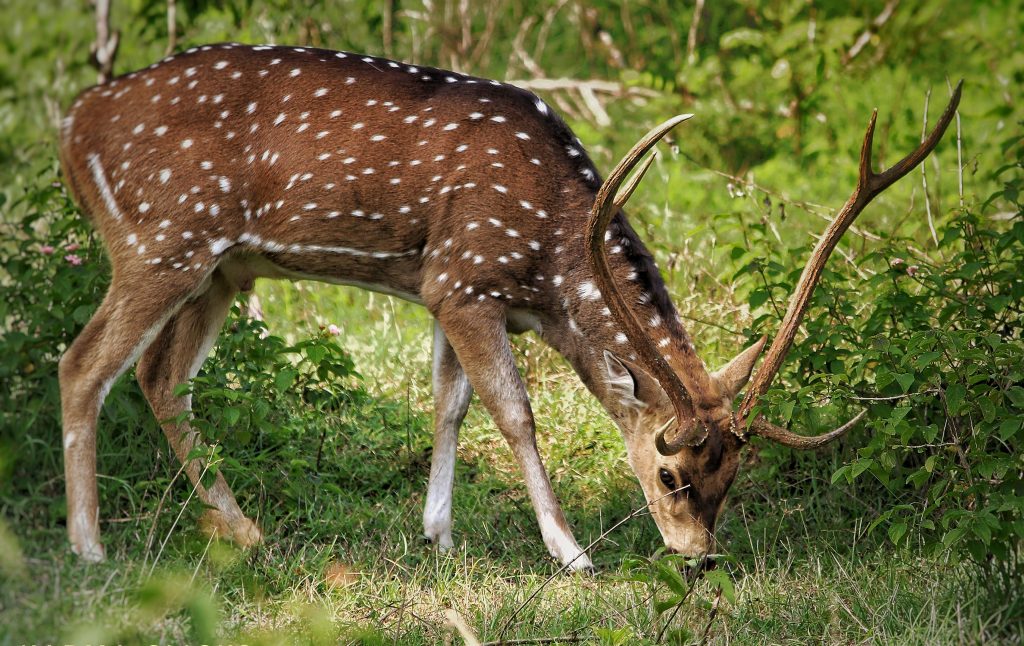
683,431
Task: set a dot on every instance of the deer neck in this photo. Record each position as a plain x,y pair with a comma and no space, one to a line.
585,328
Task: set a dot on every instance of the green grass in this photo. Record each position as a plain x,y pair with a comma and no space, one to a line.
803,567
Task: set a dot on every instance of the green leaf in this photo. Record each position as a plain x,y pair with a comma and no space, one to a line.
982,531
82,313
721,579
860,466
1008,428
955,394
899,413
668,573
232,415
315,354
988,409
666,604
786,410
897,530
905,380
284,379
926,359
757,298
1016,395
840,472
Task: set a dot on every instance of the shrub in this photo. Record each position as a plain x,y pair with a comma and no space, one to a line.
933,345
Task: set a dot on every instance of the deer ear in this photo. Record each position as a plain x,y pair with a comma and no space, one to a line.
733,376
634,387
621,382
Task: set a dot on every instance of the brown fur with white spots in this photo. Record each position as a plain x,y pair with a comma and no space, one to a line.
227,163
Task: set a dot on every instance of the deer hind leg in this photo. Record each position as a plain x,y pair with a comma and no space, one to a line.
477,334
173,358
452,393
125,323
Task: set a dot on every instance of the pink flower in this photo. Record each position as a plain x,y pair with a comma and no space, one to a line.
46,250
333,330
912,269
72,247
73,259
896,262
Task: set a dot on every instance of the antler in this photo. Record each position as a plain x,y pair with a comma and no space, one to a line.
606,205
869,184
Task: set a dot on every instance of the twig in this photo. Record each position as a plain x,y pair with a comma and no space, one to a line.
597,85
924,175
721,327
545,29
820,210
387,28
483,40
590,100
565,639
104,48
633,514
892,397
675,611
691,38
172,26
587,90
872,29
156,514
177,518
711,616
518,48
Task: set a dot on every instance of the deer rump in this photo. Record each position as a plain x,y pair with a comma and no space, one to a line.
472,197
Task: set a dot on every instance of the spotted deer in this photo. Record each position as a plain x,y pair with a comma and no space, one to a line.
228,163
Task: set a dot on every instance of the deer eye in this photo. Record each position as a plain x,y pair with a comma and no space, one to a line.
667,479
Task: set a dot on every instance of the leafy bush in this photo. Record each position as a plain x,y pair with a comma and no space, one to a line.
933,344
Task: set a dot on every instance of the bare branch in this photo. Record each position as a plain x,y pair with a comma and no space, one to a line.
691,38
104,49
924,173
172,27
872,29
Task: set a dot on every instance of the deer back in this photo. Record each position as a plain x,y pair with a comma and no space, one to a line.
329,165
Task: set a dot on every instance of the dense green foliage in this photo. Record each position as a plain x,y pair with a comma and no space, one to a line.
909,529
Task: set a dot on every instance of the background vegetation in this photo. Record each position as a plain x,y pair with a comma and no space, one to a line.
908,530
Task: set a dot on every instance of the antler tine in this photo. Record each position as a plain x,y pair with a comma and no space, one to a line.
908,163
869,185
627,191
606,205
783,436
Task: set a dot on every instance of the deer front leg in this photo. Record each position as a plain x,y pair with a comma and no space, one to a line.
175,357
452,394
477,334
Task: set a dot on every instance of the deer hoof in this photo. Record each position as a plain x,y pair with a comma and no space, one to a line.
442,541
582,565
239,530
90,552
